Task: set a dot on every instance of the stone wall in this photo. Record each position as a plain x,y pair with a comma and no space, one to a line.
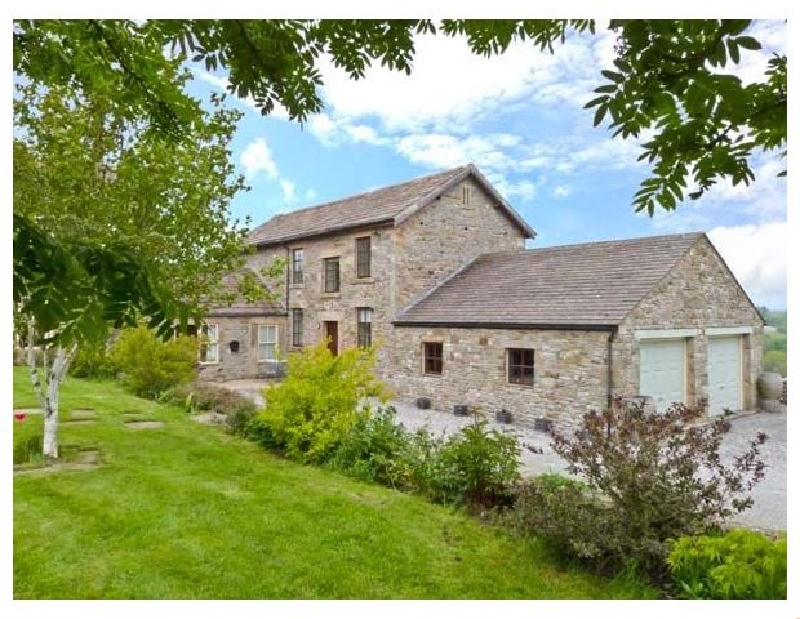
242,364
699,293
444,235
374,291
570,371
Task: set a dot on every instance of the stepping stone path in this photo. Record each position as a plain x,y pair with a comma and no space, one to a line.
86,459
144,425
82,414
211,419
28,411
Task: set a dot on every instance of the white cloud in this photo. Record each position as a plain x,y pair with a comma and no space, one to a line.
562,191
256,157
440,150
288,189
310,194
435,95
757,256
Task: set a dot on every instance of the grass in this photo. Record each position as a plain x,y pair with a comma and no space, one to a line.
190,512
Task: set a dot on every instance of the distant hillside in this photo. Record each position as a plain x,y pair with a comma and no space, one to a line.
775,343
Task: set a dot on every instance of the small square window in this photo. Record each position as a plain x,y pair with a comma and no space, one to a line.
434,352
520,366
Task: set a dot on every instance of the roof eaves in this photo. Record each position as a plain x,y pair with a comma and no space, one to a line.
331,230
544,326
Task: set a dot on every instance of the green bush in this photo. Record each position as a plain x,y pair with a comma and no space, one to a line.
308,414
93,361
477,466
150,366
736,565
240,416
648,478
376,449
181,396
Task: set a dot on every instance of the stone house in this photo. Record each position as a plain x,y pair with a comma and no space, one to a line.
436,271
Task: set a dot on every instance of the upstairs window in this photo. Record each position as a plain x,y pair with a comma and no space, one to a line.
520,366
466,195
297,327
363,256
434,352
297,266
331,274
364,331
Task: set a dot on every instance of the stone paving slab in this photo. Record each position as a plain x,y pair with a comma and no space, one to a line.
144,425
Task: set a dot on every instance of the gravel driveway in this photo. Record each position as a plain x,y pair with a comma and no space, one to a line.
768,513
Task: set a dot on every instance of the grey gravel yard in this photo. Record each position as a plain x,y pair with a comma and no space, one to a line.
768,513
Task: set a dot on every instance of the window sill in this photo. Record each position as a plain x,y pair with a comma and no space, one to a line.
523,385
331,295
432,375
209,362
297,286
364,280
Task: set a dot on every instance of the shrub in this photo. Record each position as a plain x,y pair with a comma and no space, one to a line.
649,478
240,416
149,365
736,565
376,449
181,396
93,361
308,414
477,466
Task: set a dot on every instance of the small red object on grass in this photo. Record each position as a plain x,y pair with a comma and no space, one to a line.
19,416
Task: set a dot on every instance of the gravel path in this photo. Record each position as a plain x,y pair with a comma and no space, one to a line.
768,513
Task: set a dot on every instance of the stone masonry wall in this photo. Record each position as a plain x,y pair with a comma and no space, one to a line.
374,291
570,371
441,237
699,293
242,364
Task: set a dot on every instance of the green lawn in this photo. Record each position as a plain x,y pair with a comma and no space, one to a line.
190,512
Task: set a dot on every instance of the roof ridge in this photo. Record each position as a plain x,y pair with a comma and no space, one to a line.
306,209
610,241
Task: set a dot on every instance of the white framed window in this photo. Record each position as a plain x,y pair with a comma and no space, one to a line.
209,344
267,342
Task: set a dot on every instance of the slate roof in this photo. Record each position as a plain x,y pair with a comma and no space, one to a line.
240,306
389,205
593,285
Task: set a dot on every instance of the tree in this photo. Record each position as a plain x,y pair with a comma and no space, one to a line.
668,79
114,224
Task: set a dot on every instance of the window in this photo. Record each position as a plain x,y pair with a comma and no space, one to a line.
297,327
209,343
331,274
363,256
520,366
465,195
297,266
267,342
364,335
433,357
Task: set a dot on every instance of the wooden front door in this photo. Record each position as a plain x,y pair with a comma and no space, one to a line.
332,335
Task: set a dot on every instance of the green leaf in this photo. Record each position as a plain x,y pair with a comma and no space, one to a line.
617,78
748,42
733,50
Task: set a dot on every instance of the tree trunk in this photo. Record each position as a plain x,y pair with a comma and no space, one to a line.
55,377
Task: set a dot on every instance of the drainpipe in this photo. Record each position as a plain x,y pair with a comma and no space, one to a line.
286,282
610,377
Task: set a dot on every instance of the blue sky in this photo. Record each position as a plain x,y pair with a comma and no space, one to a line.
519,118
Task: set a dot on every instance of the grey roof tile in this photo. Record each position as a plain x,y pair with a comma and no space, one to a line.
590,284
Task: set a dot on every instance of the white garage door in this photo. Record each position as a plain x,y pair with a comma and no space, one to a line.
724,374
662,371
